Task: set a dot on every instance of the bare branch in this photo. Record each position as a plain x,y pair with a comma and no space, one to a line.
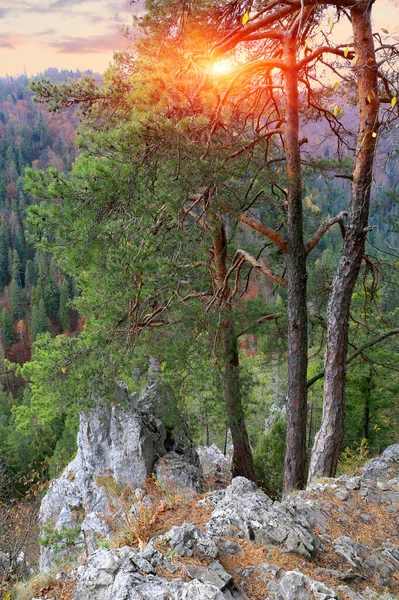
259,322
267,272
359,351
268,232
324,227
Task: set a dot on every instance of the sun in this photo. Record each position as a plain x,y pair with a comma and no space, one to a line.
222,67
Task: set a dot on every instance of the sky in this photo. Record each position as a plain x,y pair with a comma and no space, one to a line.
67,34
82,34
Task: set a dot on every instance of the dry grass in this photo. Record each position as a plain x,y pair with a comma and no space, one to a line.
42,585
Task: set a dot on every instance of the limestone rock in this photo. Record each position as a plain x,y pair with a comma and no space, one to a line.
294,585
385,466
118,446
179,471
382,563
117,575
258,518
213,462
189,540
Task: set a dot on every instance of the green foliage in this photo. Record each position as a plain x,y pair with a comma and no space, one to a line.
269,453
7,330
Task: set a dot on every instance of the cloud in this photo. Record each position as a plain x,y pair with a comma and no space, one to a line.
45,32
89,45
6,41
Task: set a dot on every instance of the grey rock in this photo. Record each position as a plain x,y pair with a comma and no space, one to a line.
342,495
229,547
188,539
117,444
213,462
366,518
294,585
216,576
260,519
178,472
381,563
385,466
351,483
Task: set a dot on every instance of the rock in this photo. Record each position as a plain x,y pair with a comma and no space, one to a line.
217,576
385,466
118,447
260,519
213,462
342,495
115,575
189,540
179,471
294,585
382,563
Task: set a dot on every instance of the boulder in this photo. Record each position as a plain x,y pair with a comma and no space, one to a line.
383,467
294,585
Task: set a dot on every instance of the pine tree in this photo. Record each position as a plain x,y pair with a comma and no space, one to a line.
5,241
16,300
30,274
39,317
16,268
64,309
7,329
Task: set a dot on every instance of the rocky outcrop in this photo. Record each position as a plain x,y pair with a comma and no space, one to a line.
125,574
349,525
258,518
119,444
385,466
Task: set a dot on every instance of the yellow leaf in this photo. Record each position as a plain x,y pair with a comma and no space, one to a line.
369,98
384,30
374,134
346,51
245,18
306,43
336,85
63,369
336,111
331,23
393,102
354,60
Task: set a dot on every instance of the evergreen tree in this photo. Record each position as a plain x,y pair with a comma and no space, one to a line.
5,241
16,268
16,300
30,274
64,309
39,317
7,329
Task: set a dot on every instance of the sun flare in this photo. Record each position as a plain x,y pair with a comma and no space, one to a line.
222,67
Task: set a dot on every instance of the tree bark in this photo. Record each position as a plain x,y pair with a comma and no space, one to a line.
329,438
242,462
295,459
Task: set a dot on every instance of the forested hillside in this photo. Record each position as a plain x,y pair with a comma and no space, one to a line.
34,293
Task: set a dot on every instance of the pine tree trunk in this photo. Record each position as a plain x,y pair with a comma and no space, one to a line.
242,463
295,459
329,438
